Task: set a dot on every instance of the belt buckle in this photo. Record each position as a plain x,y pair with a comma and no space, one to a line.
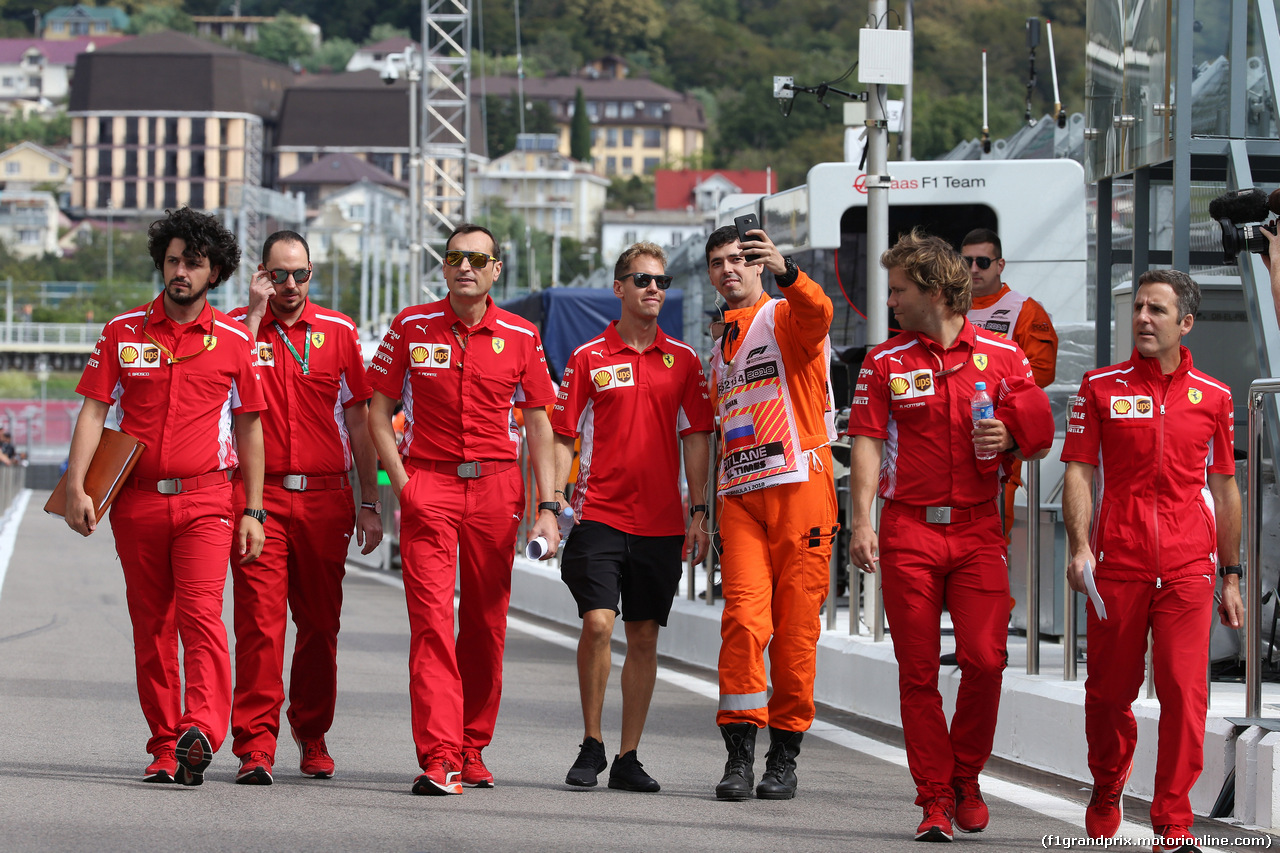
469,470
169,487
294,482
938,514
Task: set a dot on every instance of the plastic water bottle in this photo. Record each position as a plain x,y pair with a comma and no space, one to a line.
565,522
982,408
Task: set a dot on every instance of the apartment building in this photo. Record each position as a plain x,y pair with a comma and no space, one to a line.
553,193
80,20
636,125
170,119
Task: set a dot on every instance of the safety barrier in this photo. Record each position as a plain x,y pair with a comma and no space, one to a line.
1258,390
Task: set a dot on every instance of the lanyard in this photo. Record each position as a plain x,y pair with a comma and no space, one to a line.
210,341
304,361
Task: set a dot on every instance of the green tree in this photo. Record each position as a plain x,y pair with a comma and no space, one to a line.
634,192
333,56
619,26
580,130
155,19
283,40
51,131
382,32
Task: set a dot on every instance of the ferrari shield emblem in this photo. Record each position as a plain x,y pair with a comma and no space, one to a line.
317,339
668,359
210,341
499,344
980,361
1194,395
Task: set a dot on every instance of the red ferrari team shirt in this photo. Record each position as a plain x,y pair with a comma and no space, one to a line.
638,403
916,396
459,384
182,411
305,428
1154,439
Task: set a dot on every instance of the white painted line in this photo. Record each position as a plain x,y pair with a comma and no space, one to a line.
1131,835
9,533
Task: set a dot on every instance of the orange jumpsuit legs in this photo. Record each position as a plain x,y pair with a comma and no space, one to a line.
775,575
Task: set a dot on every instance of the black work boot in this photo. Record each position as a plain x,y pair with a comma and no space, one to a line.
779,779
739,776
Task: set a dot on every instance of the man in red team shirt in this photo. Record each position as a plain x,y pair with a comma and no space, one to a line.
459,365
1162,433
940,541
629,393
183,376
316,426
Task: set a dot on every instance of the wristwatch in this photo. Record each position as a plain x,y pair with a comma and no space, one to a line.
792,273
1236,570
376,506
260,514
551,506
698,508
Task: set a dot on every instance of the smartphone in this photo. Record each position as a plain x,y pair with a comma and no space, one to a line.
750,222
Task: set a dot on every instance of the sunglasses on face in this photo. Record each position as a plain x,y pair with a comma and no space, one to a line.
982,262
281,276
642,279
478,260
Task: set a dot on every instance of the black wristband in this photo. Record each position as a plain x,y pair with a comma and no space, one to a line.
698,508
1236,570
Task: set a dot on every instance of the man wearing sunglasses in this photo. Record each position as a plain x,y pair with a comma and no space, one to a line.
1006,313
778,512
635,396
460,365
314,430
939,541
180,376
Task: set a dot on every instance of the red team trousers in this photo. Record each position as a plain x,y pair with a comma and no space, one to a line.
962,566
302,565
451,527
173,549
1179,614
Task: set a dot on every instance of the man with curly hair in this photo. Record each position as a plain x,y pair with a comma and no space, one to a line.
182,375
940,542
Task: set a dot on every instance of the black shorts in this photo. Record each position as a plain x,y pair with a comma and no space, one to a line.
601,564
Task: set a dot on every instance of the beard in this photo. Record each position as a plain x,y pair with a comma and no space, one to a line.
190,297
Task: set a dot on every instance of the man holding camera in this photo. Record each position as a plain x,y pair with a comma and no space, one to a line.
778,513
1163,433
314,429
634,396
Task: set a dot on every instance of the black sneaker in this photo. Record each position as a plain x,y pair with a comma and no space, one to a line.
194,753
627,774
590,764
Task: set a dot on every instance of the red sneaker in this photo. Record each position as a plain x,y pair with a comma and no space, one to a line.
1106,808
313,756
474,773
441,777
1175,839
164,768
936,825
255,769
971,813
